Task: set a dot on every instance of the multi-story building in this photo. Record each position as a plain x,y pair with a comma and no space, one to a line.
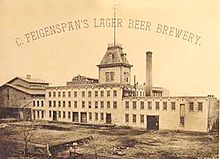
112,99
16,96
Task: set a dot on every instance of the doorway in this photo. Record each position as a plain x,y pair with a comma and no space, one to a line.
152,122
83,117
75,117
108,118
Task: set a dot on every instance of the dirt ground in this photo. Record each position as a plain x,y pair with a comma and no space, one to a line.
118,142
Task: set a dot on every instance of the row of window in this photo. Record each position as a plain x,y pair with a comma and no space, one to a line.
38,114
83,94
38,103
91,116
142,117
97,104
134,118
164,105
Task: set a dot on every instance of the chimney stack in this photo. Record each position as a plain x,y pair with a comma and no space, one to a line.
148,85
28,76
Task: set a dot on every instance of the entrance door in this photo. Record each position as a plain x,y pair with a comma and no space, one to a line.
55,115
152,122
108,118
75,117
84,117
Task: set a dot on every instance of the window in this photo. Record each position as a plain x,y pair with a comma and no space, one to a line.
75,94
59,114
59,103
134,105
69,115
38,114
50,114
109,76
149,105
33,103
108,93
173,105
142,119
96,104
112,75
42,114
108,104
126,75
83,104
126,104
50,103
96,116
127,118
89,94
38,103
90,104
64,94
102,104
42,103
49,94
110,57
134,118
142,105
102,94
64,114
114,105
69,104
164,105
96,93
54,104
101,116
191,105
90,116
83,94
59,94
69,94
182,121
64,104
157,105
114,93
75,104
200,106
54,94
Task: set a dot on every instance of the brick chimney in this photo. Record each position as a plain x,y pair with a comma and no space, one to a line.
28,77
148,85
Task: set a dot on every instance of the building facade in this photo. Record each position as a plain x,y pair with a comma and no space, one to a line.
112,99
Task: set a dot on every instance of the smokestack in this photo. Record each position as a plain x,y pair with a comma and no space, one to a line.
148,85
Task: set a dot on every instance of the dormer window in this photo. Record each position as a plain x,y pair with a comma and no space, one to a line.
110,57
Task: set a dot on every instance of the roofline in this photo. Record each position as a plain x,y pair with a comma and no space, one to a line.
12,86
27,81
114,65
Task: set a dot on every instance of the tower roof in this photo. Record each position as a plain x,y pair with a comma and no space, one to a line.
114,56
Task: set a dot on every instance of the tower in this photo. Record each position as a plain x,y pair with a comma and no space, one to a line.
114,67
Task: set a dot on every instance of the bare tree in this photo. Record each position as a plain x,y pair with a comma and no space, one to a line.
28,128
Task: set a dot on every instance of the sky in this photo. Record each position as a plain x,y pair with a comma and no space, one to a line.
181,66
